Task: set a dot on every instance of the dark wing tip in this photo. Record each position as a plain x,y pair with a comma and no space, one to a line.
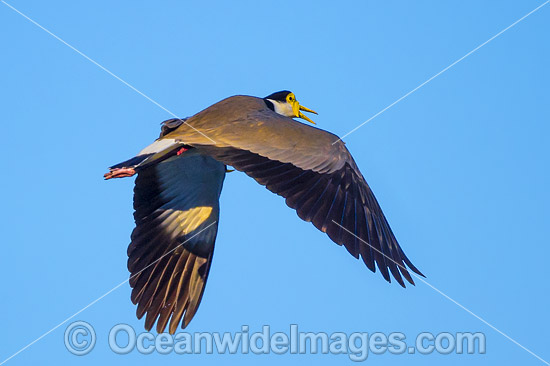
338,202
172,295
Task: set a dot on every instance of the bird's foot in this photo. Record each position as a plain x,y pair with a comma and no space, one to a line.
119,173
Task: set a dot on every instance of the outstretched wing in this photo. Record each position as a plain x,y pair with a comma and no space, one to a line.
340,204
310,167
176,214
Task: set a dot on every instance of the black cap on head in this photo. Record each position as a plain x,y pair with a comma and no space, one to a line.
280,95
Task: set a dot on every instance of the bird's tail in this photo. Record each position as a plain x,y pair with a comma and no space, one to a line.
158,151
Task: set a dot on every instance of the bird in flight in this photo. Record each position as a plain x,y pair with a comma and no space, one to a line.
179,182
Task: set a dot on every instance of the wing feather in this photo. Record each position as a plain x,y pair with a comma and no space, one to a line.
176,212
339,203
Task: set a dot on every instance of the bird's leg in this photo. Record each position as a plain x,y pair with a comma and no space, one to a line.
119,173
181,151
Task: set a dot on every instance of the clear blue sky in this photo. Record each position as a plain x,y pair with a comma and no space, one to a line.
460,168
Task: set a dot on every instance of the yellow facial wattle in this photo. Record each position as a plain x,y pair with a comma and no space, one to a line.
297,108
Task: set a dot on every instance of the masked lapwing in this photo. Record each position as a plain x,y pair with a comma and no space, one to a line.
179,181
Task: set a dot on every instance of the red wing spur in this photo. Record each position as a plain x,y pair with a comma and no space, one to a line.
180,178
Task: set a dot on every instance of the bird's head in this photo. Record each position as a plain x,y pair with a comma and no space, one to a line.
285,103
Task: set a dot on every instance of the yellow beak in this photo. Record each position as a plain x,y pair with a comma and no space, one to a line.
296,107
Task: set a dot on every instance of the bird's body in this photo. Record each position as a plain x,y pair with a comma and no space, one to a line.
311,168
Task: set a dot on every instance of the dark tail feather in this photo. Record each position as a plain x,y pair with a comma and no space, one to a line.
144,161
131,163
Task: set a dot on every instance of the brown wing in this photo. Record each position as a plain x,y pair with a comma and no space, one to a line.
246,123
176,213
310,167
336,203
